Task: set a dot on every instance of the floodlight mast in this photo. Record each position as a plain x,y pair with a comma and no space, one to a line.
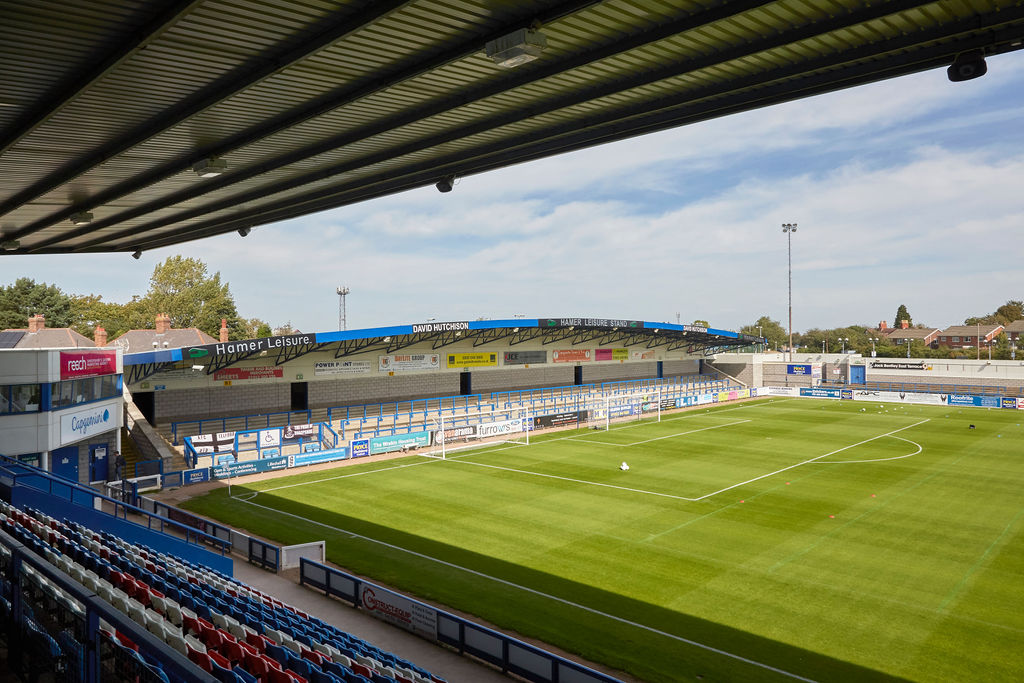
789,229
342,319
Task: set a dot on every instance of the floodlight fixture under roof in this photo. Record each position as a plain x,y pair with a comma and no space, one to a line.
10,245
516,48
210,168
137,254
445,184
81,218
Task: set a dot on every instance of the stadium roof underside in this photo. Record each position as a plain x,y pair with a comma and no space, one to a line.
110,110
210,358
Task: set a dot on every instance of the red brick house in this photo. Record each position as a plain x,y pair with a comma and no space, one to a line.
969,336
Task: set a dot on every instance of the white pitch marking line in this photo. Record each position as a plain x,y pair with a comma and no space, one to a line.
838,450
898,457
577,481
534,591
692,431
658,438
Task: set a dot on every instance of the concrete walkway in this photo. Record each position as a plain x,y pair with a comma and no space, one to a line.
438,660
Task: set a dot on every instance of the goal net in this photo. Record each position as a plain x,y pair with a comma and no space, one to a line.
616,408
488,427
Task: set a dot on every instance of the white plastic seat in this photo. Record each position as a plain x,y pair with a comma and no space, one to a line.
195,643
176,641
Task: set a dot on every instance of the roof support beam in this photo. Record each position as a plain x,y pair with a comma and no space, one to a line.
635,119
227,86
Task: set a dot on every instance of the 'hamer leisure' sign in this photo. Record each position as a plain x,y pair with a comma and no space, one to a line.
249,346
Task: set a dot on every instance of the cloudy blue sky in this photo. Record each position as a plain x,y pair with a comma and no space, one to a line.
909,191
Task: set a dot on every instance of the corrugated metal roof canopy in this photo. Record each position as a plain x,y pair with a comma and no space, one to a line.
106,106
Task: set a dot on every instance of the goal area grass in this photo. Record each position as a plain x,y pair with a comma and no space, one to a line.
775,539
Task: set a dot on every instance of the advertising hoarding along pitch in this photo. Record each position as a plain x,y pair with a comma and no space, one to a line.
398,610
79,364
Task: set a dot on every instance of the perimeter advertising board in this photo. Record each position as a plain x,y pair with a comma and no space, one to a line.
399,610
239,469
409,362
359,448
80,364
975,401
387,444
454,434
781,391
818,392
897,397
560,419
501,428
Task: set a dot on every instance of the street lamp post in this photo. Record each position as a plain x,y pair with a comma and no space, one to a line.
789,229
843,341
873,340
823,346
908,346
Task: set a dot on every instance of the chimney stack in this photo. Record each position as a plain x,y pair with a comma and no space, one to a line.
223,329
163,323
36,322
883,326
904,324
99,335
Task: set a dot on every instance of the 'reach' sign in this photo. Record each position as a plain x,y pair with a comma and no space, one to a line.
77,364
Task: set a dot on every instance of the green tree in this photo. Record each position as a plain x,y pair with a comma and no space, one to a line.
90,312
181,288
769,329
26,297
702,323
1010,311
902,314
255,328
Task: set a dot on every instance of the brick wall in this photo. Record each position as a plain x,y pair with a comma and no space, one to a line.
744,372
595,374
525,378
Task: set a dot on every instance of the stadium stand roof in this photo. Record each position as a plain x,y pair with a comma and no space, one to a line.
112,111
387,340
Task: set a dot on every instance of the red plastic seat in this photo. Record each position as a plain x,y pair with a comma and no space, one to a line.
256,665
232,651
201,659
219,659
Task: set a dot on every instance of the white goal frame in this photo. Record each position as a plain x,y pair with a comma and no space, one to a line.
500,420
630,399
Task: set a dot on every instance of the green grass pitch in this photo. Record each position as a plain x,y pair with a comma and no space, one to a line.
746,542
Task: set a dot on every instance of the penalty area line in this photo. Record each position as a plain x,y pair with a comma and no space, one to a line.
838,450
534,591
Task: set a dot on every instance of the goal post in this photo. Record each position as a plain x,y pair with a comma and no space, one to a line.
484,428
631,407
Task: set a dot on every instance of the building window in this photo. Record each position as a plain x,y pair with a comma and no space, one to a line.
20,398
956,339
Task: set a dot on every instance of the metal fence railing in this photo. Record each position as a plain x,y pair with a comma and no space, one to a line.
511,655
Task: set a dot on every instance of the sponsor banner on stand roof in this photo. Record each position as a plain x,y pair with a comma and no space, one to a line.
611,354
259,372
79,364
342,367
399,610
472,360
600,323
571,356
457,326
248,346
406,362
82,423
642,355
525,357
